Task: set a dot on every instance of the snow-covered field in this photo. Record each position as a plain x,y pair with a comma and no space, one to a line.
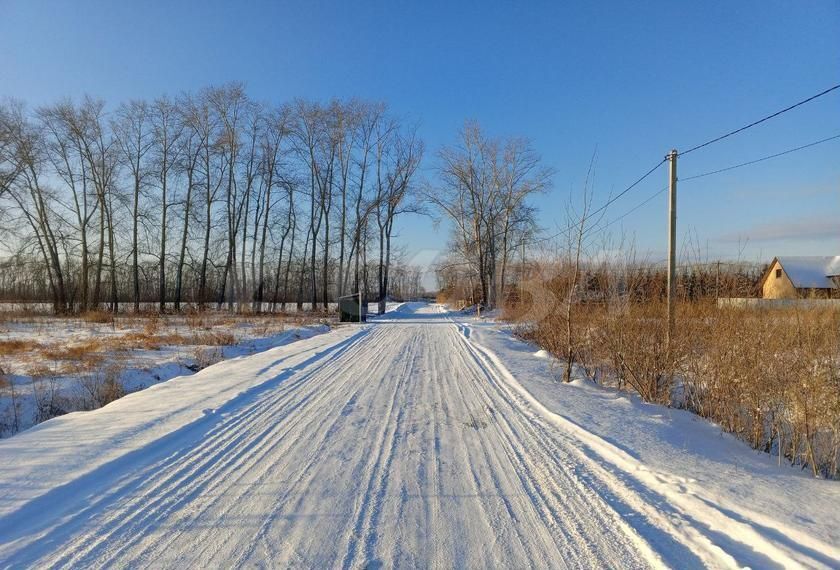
58,364
423,439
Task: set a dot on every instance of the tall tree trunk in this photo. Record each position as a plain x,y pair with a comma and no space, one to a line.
289,263
302,273
115,304
261,265
85,276
342,229
135,246
380,281
101,252
325,279
387,266
243,291
208,222
179,274
162,268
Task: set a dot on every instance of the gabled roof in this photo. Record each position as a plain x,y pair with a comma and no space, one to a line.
811,271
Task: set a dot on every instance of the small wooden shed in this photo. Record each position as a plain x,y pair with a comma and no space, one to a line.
802,277
352,309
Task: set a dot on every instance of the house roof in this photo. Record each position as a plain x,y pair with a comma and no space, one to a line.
811,271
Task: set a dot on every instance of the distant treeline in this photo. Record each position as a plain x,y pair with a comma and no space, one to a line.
210,197
605,281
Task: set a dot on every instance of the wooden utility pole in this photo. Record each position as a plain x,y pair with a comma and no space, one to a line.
672,242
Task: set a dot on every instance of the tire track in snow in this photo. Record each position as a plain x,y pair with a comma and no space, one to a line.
559,507
562,502
189,466
675,514
324,391
280,444
371,503
402,445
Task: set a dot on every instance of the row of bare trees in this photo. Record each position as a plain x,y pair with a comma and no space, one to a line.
210,197
483,190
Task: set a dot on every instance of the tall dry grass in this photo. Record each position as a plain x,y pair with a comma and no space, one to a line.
770,377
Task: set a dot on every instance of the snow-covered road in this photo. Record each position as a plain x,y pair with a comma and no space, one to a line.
402,443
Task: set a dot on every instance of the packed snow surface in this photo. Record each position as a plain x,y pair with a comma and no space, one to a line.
422,439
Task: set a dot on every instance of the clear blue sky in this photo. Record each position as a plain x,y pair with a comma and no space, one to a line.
632,79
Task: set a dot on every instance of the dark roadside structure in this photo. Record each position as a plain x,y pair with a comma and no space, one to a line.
352,309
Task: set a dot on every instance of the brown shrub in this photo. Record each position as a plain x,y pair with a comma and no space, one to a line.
97,316
204,357
89,350
101,387
213,338
152,324
771,377
16,346
631,339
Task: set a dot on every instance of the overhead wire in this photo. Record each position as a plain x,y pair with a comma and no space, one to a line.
762,159
718,171
603,206
704,174
763,119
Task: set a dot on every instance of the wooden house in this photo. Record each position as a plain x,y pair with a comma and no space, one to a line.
802,277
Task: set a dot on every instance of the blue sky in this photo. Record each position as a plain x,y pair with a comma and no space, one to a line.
630,79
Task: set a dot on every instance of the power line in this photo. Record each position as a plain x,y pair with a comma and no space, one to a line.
692,149
767,118
778,154
634,208
718,171
604,206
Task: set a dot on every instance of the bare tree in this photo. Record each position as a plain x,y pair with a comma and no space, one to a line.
193,144
276,131
167,130
132,129
25,154
484,187
395,170
66,156
240,184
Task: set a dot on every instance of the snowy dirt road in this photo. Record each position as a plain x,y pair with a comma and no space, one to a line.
401,443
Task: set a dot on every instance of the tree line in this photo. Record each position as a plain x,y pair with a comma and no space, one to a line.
207,198
483,188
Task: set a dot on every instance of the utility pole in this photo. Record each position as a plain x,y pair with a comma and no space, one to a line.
672,243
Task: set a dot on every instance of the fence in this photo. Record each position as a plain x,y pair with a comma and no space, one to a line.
753,303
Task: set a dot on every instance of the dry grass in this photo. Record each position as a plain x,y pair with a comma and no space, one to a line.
213,338
40,370
143,340
98,317
20,313
101,386
204,357
771,377
89,350
13,347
